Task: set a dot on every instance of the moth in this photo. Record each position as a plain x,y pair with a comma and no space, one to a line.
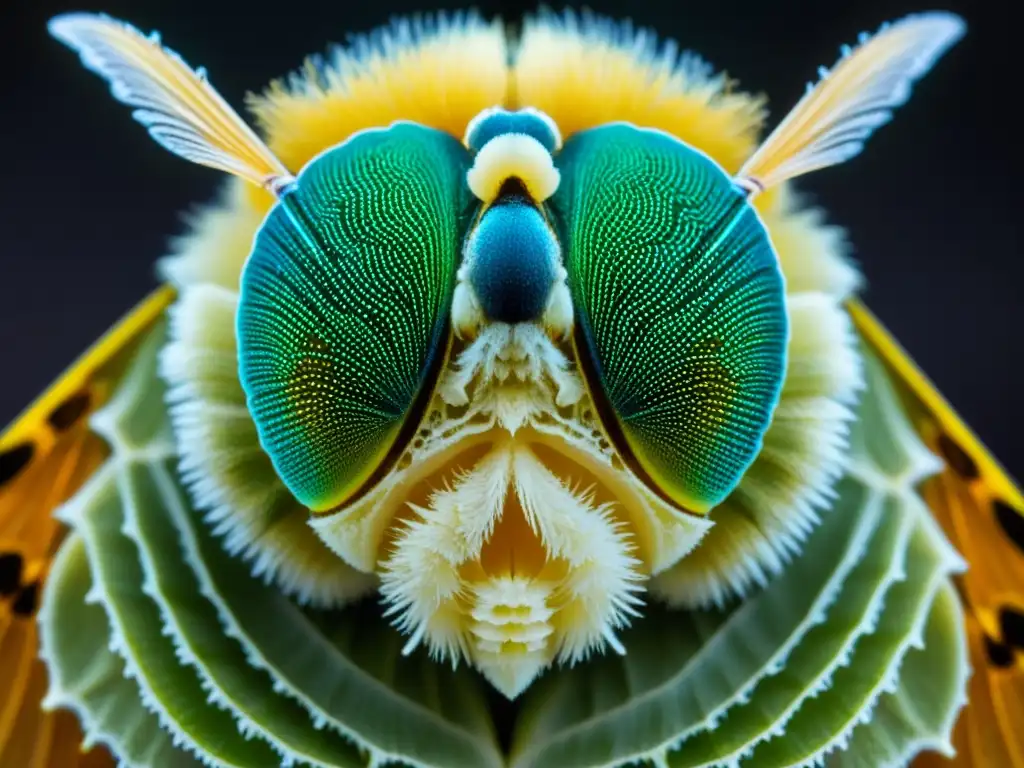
506,366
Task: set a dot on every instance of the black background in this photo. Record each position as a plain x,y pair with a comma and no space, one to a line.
933,207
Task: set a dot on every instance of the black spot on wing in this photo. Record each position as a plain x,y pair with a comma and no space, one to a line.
1011,521
11,564
957,458
999,654
67,414
1002,654
26,601
1011,624
13,460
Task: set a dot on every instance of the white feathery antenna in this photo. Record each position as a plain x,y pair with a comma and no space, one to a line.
179,107
830,124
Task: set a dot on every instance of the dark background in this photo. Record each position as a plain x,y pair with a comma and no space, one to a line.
933,207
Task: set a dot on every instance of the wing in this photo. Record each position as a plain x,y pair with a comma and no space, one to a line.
45,456
982,512
830,124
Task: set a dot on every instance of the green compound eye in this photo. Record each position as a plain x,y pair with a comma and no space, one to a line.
680,311
344,309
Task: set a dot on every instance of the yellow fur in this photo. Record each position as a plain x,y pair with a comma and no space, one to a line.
452,74
583,74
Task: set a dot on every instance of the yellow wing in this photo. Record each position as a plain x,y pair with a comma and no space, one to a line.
45,456
982,512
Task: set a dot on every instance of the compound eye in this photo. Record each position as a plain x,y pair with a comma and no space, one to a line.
343,320
681,323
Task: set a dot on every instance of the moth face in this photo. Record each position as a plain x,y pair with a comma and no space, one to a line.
513,330
510,375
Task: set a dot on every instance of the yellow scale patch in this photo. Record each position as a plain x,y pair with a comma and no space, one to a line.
45,457
981,510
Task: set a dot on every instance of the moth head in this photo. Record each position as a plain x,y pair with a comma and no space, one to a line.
618,250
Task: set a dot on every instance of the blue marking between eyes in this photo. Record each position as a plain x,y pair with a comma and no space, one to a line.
512,256
502,122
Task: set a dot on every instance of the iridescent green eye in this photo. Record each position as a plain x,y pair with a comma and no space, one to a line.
680,315
344,311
